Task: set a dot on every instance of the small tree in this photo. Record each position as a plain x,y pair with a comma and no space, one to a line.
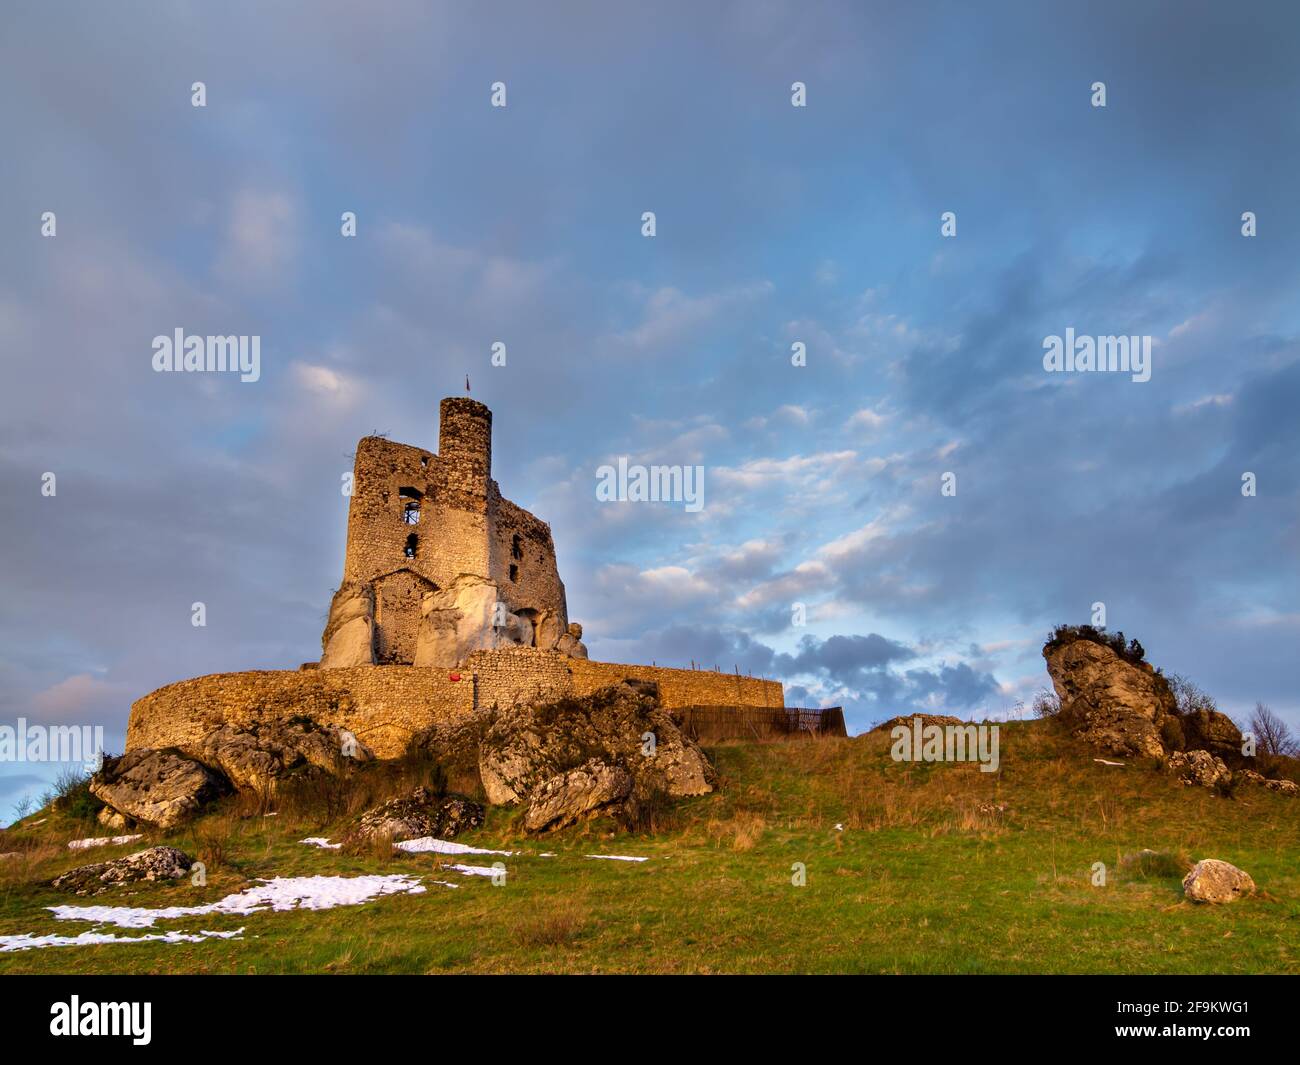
1189,696
1272,734
1046,704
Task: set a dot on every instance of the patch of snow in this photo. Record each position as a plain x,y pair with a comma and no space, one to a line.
92,939
446,883
477,870
1104,762
102,841
547,854
618,858
427,844
839,828
320,841
282,893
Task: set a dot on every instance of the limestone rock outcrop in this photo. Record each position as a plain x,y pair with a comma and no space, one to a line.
465,617
158,787
548,628
256,758
1200,768
571,642
572,796
349,637
581,757
156,863
1210,730
1112,699
1282,787
1214,881
167,786
1112,703
422,813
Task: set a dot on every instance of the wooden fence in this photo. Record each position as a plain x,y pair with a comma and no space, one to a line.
712,724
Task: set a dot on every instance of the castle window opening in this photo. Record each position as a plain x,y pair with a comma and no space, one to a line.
412,542
514,573
410,498
516,547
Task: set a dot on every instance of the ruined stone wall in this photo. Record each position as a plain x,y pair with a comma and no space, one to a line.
450,540
680,687
383,707
518,675
523,562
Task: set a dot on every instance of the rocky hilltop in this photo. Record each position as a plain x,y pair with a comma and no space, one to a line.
1111,698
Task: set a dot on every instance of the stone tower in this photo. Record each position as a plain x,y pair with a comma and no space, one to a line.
438,563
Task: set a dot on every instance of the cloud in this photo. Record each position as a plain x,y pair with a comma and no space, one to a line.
81,699
668,314
259,245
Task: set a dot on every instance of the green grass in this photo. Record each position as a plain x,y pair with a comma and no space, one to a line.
927,876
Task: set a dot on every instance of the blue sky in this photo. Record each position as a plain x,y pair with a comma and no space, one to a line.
775,224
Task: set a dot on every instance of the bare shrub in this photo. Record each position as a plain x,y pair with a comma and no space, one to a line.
214,839
740,832
559,927
1189,696
1272,734
370,845
1046,703
649,812
1154,865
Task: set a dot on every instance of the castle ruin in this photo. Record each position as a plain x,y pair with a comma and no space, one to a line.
439,564
451,603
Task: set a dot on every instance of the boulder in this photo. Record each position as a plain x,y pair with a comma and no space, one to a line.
1112,704
156,863
1282,787
349,637
571,642
556,757
110,818
1209,730
422,813
1200,768
1214,881
577,794
159,787
257,757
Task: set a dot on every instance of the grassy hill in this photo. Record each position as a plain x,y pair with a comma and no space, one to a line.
937,868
